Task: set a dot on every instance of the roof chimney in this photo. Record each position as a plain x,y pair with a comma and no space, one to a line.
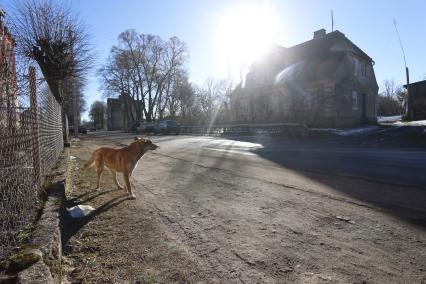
319,33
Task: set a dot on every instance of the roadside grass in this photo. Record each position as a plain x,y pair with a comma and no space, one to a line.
120,241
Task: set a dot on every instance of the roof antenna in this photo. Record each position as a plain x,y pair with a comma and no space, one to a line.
332,21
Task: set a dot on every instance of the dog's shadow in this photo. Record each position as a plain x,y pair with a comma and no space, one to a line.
79,198
71,226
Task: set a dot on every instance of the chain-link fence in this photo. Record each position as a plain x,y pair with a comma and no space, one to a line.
31,141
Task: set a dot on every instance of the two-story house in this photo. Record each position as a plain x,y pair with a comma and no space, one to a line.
326,81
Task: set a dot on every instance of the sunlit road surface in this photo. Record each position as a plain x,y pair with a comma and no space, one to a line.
261,209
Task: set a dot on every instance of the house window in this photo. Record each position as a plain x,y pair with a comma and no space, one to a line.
363,69
354,100
356,63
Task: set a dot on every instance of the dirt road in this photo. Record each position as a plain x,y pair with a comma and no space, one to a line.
242,213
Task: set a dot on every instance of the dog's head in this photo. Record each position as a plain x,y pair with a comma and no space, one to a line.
145,144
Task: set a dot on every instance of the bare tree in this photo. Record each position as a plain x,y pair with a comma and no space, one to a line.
392,99
75,97
189,108
211,97
52,35
143,68
97,114
389,88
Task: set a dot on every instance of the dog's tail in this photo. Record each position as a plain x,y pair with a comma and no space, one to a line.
90,162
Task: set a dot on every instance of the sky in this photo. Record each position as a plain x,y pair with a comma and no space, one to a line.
203,25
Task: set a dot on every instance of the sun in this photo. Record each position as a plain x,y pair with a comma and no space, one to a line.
244,34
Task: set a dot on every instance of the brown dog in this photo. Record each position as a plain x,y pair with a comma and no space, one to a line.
122,160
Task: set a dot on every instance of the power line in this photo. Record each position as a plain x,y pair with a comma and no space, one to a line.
400,42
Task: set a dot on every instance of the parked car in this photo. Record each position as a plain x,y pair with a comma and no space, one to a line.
146,127
81,129
134,125
167,127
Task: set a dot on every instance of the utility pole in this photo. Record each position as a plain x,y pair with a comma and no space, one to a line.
408,110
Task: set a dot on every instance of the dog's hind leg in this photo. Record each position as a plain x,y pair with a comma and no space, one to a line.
114,176
90,162
128,187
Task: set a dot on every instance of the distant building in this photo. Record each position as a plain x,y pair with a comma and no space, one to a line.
326,81
115,117
9,116
418,99
121,113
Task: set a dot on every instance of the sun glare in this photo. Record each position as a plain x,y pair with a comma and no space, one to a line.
244,34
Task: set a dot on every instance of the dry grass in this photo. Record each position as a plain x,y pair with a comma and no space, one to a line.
121,241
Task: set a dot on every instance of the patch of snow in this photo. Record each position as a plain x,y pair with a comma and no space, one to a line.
349,131
356,131
80,211
324,129
393,118
411,123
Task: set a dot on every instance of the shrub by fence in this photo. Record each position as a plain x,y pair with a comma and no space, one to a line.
31,141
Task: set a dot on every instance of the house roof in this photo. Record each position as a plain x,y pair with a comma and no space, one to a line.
416,83
326,47
321,46
315,60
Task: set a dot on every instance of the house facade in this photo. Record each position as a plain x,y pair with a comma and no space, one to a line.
325,82
418,100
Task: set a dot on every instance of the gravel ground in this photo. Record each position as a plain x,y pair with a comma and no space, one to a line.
196,223
121,242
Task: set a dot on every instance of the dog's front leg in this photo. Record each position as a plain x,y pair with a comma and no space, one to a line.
128,187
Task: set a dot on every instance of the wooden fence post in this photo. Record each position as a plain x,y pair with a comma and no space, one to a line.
34,126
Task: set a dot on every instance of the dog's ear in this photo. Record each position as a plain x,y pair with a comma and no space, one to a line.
136,138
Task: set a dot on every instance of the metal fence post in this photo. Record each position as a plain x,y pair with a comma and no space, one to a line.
34,126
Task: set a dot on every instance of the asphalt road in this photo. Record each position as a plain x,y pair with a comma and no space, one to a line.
256,209
388,165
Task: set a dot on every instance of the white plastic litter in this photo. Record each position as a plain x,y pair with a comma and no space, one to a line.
80,211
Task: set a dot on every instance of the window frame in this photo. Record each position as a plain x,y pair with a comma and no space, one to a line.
354,100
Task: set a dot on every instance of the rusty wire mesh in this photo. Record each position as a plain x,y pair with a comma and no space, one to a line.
31,141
